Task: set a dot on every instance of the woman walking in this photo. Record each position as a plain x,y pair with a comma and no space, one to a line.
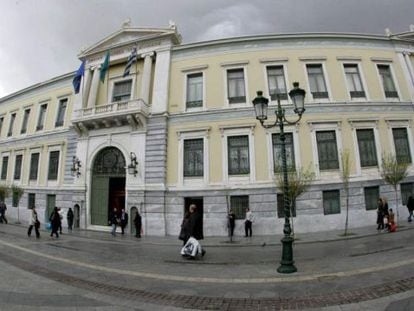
34,222
380,214
55,221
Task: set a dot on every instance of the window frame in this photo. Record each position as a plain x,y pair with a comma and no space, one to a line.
61,123
404,195
37,168
330,212
375,204
4,170
31,200
234,66
12,122
113,81
400,123
361,160
188,174
203,89
42,117
361,78
17,174
1,123
337,151
311,98
240,215
283,101
408,143
394,80
25,120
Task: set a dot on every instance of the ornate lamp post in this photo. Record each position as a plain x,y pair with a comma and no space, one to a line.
260,104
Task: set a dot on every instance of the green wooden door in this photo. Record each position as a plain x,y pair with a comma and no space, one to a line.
50,205
99,201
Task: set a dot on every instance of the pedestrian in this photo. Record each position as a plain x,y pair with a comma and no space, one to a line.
380,214
61,217
391,221
231,223
113,221
124,220
410,207
3,209
248,223
34,222
55,222
69,218
138,224
185,228
195,231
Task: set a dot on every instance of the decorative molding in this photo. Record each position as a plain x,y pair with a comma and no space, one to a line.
273,59
194,68
349,58
312,58
381,59
44,100
201,130
363,122
396,121
224,128
320,124
235,63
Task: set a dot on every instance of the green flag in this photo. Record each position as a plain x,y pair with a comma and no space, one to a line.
104,67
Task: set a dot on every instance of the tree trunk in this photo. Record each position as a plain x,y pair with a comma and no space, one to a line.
347,213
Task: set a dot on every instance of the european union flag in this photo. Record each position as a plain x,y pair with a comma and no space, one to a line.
78,77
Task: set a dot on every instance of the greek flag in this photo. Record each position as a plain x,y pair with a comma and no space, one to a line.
131,59
78,77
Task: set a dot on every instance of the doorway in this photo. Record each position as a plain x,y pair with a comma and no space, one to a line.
198,201
76,218
132,215
50,206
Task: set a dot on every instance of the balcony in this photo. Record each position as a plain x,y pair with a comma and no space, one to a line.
131,112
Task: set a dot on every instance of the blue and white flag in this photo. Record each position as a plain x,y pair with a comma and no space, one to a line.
78,78
131,59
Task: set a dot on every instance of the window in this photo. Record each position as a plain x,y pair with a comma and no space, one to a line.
317,81
194,90
1,123
60,119
387,81
18,166
331,202
4,168
122,91
327,150
371,195
353,79
53,165
281,207
25,121
277,152
31,202
235,85
402,146
366,146
238,155
277,83
407,189
11,125
239,204
34,166
42,117
193,157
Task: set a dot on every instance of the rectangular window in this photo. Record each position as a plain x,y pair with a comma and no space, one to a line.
407,189
25,121
4,168
281,207
1,124
31,201
238,155
366,146
122,91
11,124
327,150
193,157
277,83
18,166
371,195
194,90
387,81
60,119
402,146
235,85
239,204
53,165
331,202
353,79
42,117
34,166
277,152
317,82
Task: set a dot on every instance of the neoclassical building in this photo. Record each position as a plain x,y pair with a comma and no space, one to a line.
180,128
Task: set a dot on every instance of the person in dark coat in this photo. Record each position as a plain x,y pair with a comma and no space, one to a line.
185,228
380,214
138,224
113,221
410,207
55,222
69,217
124,220
3,209
232,223
195,223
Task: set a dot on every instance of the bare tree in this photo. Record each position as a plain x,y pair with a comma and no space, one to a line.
393,173
346,171
4,192
299,180
17,193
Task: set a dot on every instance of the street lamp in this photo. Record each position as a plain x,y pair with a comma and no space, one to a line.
260,104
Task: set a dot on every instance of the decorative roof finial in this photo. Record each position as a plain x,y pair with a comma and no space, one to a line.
412,27
126,23
171,24
388,32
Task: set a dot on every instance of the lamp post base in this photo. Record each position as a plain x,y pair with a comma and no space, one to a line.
287,263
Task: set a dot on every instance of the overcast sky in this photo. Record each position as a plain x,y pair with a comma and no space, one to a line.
39,39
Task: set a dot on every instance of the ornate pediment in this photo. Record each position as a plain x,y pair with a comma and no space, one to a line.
128,35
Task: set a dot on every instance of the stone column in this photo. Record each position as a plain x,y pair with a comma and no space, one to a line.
146,78
86,86
93,93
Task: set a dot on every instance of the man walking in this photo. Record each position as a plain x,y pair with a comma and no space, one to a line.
3,209
248,223
34,222
138,224
69,217
113,221
124,220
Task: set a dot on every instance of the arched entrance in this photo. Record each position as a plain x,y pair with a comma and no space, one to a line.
108,185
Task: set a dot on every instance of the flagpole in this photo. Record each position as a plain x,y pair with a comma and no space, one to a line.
83,86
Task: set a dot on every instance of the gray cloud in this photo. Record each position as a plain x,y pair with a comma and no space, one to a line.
39,39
